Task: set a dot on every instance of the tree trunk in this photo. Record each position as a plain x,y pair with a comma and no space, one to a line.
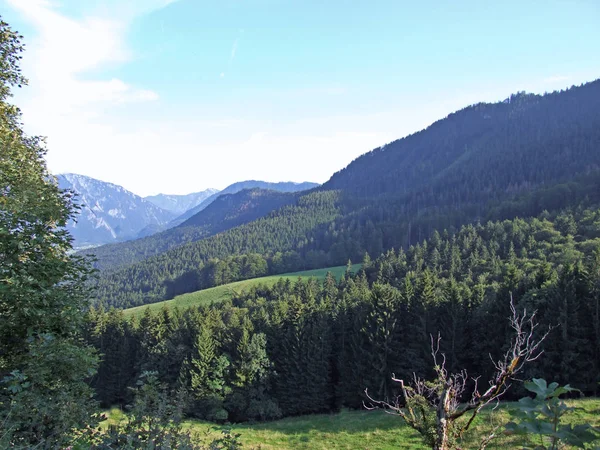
443,424
442,442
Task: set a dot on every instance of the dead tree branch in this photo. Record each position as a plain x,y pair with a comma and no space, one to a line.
437,405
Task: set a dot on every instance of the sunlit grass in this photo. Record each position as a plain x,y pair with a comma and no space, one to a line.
376,430
227,291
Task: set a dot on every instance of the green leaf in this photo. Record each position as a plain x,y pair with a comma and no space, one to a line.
538,386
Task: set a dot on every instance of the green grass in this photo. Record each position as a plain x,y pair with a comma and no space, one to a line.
227,291
346,430
367,430
374,430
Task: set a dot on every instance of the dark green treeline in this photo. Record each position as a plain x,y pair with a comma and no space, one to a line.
307,347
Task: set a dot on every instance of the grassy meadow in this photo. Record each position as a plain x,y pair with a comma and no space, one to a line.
370,430
227,291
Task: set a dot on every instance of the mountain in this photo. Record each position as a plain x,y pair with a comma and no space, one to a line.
285,186
179,204
229,210
225,212
490,161
109,213
484,150
257,199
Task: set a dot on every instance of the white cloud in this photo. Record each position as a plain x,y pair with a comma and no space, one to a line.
64,100
64,52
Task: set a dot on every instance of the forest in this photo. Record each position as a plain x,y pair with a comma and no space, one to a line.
245,359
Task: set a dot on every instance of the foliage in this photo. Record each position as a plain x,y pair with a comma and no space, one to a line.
207,382
543,415
329,339
43,363
47,396
154,422
434,408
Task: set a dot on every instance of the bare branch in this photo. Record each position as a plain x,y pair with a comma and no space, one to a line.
524,348
443,396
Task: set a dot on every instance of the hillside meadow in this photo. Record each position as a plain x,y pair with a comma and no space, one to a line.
230,290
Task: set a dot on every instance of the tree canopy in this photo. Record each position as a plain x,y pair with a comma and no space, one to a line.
43,362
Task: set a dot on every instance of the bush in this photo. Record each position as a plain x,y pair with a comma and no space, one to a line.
542,415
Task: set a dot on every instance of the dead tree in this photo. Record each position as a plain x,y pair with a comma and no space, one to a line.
433,408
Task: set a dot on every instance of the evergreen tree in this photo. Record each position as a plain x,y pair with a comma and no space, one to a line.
207,377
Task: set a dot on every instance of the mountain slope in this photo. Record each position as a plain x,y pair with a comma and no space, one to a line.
239,186
178,204
230,212
109,213
530,138
227,211
487,161
240,207
176,271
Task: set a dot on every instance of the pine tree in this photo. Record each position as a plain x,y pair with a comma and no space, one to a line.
207,381
379,331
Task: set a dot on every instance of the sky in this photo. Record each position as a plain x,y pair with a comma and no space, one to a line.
176,96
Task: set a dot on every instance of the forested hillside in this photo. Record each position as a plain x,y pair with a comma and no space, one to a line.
180,270
225,212
485,151
489,161
434,277
249,358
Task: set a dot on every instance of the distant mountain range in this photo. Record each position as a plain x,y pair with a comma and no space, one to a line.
112,214
109,213
226,212
234,188
178,204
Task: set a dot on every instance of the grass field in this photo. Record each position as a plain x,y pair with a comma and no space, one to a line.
226,291
371,430
376,430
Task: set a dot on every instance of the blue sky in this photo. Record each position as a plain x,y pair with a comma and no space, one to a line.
178,96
